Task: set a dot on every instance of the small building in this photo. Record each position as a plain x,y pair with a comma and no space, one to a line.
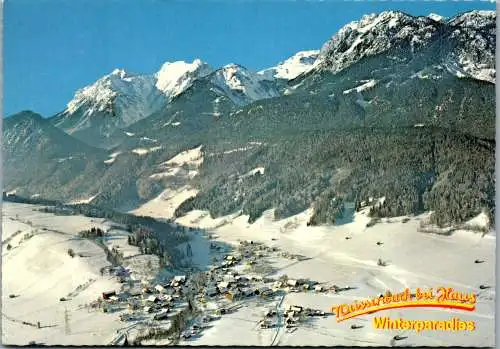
167,298
211,291
229,278
271,313
296,308
148,309
153,299
160,288
233,295
108,294
223,285
161,315
318,288
265,291
247,292
292,282
278,284
180,278
132,305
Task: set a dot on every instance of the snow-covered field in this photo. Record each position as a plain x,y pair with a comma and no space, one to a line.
165,204
347,255
38,270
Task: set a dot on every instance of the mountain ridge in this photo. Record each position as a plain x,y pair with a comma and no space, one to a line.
328,132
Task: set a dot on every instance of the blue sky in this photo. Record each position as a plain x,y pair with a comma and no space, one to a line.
54,47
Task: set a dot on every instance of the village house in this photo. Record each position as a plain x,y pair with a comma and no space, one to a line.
271,313
233,295
211,291
292,282
180,279
247,292
132,305
108,294
160,288
167,298
296,308
161,315
153,299
265,291
223,284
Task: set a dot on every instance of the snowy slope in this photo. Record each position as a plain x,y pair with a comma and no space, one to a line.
299,63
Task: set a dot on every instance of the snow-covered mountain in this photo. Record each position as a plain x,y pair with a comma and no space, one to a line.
175,77
243,86
474,35
463,45
127,97
470,38
299,63
27,134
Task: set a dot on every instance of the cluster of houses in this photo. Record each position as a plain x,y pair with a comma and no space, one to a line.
293,315
159,299
224,281
233,285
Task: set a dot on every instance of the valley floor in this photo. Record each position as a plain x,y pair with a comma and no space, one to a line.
37,271
347,255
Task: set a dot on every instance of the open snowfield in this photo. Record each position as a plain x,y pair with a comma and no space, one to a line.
39,271
414,260
164,205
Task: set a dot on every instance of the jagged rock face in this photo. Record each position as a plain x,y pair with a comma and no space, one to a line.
475,37
371,35
471,36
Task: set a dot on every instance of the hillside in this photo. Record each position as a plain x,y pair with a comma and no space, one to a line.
392,106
